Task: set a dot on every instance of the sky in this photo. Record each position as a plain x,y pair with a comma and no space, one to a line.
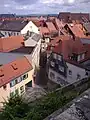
43,6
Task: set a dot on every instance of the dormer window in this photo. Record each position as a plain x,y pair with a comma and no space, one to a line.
4,87
61,68
81,56
59,58
14,66
55,55
52,64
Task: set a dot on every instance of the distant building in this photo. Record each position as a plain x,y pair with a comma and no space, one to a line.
17,27
69,17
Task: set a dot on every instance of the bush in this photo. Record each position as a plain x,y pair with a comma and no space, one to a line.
15,107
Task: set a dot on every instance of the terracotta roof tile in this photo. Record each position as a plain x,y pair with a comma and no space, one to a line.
11,43
13,25
51,26
69,46
59,24
76,29
44,30
13,70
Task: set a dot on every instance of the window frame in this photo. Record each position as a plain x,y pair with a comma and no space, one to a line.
21,90
61,69
78,76
52,75
69,72
52,64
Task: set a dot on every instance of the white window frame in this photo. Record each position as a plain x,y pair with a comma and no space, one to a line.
78,78
55,55
69,72
52,64
61,68
59,58
51,76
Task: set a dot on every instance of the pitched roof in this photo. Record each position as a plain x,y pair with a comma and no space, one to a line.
44,30
51,26
6,58
74,16
67,47
24,50
76,30
11,43
59,24
37,23
13,25
13,70
57,40
87,27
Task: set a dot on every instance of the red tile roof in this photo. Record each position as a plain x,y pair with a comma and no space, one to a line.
59,24
74,16
36,22
58,39
11,43
67,46
44,30
76,30
13,70
51,26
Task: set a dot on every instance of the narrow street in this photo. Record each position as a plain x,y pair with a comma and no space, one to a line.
41,76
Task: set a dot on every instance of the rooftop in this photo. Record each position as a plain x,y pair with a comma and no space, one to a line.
11,43
23,50
13,25
6,58
13,70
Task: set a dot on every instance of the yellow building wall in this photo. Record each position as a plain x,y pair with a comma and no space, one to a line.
5,93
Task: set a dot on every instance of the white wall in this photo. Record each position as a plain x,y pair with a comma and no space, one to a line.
36,54
31,27
70,78
75,70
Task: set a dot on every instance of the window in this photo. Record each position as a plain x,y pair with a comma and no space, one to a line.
52,64
55,55
11,94
16,91
17,33
25,76
80,56
70,72
16,81
61,68
86,74
78,77
58,79
5,33
12,83
14,34
59,57
22,89
52,75
4,87
19,79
